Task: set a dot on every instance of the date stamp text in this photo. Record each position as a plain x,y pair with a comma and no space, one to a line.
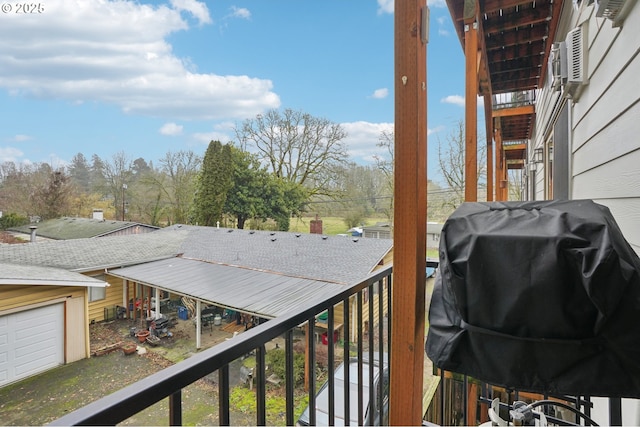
22,8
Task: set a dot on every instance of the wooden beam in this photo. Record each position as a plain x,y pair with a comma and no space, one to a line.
523,110
471,111
410,216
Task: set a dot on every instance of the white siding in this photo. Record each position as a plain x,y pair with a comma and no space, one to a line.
604,137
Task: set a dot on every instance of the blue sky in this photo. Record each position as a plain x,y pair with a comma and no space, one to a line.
149,77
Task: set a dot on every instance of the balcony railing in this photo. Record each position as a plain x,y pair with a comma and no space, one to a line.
514,99
459,400
366,322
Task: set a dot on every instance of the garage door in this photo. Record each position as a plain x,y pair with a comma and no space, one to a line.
31,341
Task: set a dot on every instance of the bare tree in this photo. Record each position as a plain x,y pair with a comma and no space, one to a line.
387,140
297,147
118,175
451,160
181,171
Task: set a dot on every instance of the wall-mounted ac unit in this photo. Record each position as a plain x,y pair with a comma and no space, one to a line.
576,61
558,65
612,9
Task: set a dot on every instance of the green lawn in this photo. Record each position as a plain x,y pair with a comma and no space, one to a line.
330,225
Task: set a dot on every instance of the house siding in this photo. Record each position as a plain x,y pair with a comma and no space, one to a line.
113,297
603,122
14,298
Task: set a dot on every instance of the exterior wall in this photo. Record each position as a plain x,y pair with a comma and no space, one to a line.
603,133
603,142
21,297
113,297
134,229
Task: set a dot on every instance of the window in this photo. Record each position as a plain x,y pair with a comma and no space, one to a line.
95,293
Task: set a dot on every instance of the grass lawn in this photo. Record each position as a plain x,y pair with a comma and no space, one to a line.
330,225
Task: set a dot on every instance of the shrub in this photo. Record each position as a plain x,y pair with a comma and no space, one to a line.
12,220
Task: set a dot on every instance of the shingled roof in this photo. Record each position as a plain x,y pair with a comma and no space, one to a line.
92,254
79,228
331,258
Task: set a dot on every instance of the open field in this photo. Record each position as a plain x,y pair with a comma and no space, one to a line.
330,225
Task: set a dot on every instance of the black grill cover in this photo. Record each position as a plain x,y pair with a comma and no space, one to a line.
538,296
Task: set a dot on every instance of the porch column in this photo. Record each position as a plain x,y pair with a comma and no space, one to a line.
157,307
198,326
410,212
471,106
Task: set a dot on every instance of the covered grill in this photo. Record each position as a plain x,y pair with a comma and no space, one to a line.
538,296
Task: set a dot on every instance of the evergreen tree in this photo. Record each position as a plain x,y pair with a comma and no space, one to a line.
214,182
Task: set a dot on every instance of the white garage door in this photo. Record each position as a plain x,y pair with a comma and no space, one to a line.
31,341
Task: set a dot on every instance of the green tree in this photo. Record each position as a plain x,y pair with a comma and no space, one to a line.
214,182
80,172
285,199
246,198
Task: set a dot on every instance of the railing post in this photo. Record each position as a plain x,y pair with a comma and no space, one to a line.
175,409
289,380
223,395
261,389
615,411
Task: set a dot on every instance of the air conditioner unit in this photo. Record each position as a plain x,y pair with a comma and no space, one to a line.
611,9
558,65
576,61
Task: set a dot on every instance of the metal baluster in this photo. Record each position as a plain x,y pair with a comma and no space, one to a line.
223,395
289,380
175,408
347,357
331,379
261,388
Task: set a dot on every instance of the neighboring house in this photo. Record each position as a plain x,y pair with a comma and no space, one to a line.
79,228
43,319
378,231
260,273
384,231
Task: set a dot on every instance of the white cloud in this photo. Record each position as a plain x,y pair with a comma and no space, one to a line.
385,6
21,138
459,100
453,99
196,8
240,12
116,53
380,93
362,139
171,129
223,132
10,154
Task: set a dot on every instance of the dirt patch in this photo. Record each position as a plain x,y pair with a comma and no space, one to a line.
46,397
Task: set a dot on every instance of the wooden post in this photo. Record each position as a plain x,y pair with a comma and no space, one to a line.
471,110
410,213
488,119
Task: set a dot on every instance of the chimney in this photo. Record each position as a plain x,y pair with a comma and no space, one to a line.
33,233
316,226
98,214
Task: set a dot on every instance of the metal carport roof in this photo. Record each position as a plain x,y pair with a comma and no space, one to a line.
261,293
